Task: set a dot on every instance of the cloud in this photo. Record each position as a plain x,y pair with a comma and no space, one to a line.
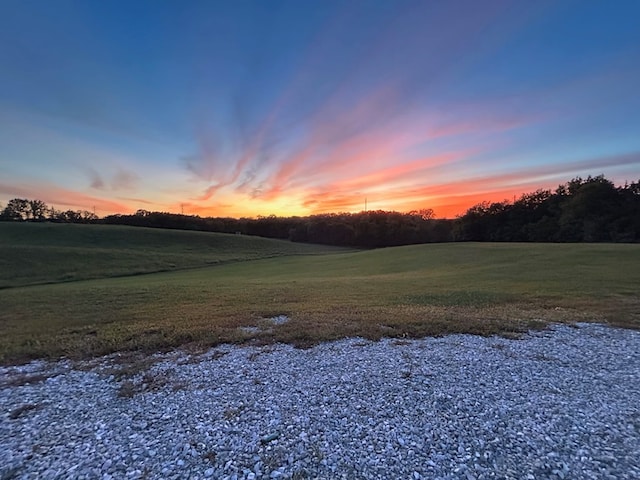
382,121
97,182
328,122
228,163
122,179
341,154
453,197
138,200
62,197
364,145
209,192
205,164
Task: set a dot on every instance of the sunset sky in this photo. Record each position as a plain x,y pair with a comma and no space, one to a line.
246,108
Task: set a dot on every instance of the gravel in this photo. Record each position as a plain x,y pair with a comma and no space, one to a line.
562,403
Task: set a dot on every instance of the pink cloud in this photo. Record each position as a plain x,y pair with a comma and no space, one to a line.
453,198
351,150
62,198
346,139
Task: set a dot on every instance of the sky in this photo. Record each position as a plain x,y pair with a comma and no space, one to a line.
247,108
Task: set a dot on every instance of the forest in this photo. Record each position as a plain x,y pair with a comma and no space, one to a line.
582,210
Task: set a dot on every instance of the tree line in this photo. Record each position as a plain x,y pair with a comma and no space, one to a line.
581,210
365,229
24,210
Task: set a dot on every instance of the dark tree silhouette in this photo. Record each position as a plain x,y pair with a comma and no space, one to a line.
581,210
37,210
16,210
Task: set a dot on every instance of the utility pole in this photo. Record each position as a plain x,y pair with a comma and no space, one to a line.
365,204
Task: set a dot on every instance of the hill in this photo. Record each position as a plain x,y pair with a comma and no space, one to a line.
36,253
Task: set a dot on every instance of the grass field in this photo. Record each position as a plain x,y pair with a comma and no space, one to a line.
404,291
37,253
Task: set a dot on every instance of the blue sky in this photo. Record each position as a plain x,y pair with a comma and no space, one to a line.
269,107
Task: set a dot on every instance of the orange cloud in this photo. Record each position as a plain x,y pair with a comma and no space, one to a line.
62,198
335,136
453,198
370,144
407,172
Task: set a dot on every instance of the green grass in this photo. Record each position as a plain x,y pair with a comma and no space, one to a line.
38,253
406,291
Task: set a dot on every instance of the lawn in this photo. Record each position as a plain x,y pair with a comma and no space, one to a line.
399,292
37,253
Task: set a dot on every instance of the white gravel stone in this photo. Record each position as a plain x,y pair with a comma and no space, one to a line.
562,403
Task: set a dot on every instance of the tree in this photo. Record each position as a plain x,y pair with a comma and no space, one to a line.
591,208
16,210
423,213
88,217
37,209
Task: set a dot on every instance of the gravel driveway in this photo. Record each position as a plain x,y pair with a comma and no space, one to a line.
562,403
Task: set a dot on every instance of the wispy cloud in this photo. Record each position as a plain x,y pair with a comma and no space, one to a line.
368,141
124,180
345,118
97,182
138,200
206,163
62,197
119,180
446,197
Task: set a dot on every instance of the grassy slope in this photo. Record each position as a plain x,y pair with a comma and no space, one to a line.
417,290
50,253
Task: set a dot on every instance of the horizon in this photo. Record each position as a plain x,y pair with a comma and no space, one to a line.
426,213
296,108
